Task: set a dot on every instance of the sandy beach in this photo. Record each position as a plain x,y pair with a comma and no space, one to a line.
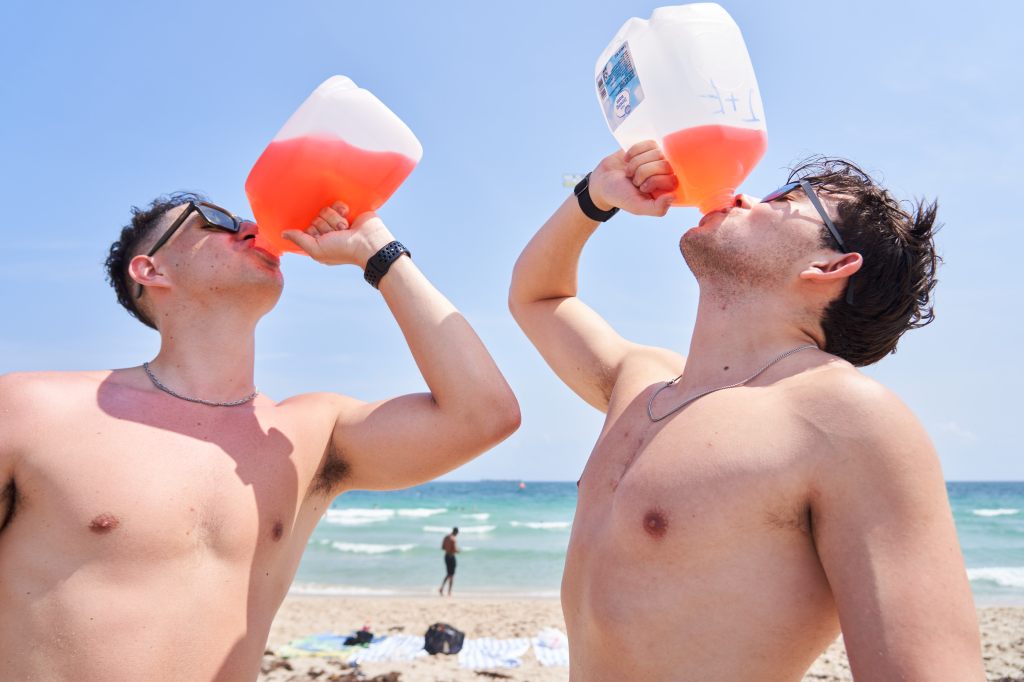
1002,630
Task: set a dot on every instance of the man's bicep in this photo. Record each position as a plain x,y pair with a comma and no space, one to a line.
401,442
885,537
578,344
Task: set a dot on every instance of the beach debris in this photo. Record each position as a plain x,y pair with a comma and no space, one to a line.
493,675
275,664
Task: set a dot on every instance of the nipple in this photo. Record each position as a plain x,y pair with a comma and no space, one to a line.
104,523
655,523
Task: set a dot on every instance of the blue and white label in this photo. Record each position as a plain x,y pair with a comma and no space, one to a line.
618,87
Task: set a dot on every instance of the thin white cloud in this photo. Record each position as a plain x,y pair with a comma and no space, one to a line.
951,427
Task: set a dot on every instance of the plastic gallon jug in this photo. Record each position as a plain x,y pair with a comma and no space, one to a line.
341,144
684,79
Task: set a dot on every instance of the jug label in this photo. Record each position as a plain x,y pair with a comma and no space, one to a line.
618,86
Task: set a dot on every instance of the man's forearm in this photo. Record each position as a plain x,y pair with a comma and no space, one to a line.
548,265
460,373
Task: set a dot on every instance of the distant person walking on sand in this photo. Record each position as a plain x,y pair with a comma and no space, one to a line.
450,550
151,510
744,502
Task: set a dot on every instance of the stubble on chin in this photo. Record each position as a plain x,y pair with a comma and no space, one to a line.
725,266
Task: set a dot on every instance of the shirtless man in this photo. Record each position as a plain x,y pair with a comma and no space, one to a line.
147,537
731,536
450,549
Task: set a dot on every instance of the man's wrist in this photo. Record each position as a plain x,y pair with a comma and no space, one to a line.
374,243
600,201
599,211
380,263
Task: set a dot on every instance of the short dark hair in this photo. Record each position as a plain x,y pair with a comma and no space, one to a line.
455,531
144,220
892,291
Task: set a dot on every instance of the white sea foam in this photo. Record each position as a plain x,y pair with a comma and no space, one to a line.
542,525
420,513
482,516
995,512
361,548
462,529
318,589
343,521
357,517
1004,576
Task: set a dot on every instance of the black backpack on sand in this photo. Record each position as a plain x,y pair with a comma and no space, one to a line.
442,638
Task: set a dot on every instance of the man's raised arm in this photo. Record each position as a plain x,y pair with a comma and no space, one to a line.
414,438
579,345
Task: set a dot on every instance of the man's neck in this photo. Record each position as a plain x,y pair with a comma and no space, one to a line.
209,357
736,334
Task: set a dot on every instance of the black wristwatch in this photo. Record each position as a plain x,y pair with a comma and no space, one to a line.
380,262
582,193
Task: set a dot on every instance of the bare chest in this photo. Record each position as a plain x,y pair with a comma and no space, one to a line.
172,485
728,468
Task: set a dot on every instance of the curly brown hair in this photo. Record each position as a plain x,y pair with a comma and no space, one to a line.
893,290
135,233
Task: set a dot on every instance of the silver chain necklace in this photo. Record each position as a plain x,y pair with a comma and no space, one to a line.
211,403
650,403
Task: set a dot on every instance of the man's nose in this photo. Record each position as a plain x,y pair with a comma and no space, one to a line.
744,201
247,228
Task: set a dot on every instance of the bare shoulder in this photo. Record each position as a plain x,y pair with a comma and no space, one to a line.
32,402
336,404
641,367
27,391
864,431
645,364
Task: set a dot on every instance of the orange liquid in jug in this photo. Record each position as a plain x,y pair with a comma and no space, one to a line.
711,161
293,179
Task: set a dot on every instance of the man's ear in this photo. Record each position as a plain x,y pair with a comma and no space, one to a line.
835,269
144,271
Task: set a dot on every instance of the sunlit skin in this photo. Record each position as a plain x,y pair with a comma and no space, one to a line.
150,538
732,539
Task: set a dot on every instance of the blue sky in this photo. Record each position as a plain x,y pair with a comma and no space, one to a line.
106,105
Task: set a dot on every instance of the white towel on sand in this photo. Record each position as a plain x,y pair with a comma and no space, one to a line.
389,649
551,647
488,652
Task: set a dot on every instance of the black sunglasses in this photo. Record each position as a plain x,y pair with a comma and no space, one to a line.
214,217
816,202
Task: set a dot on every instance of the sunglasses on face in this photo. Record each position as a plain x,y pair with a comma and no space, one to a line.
816,202
214,218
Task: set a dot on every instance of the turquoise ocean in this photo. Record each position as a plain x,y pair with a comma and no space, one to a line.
513,537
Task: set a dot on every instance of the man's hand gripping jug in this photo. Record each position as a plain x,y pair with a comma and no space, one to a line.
341,144
684,79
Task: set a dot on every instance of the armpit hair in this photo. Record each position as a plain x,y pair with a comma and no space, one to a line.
333,471
8,504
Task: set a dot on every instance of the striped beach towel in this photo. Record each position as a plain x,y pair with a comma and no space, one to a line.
389,649
488,652
551,647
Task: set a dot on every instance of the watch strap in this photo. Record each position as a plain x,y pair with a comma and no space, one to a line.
381,262
582,192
